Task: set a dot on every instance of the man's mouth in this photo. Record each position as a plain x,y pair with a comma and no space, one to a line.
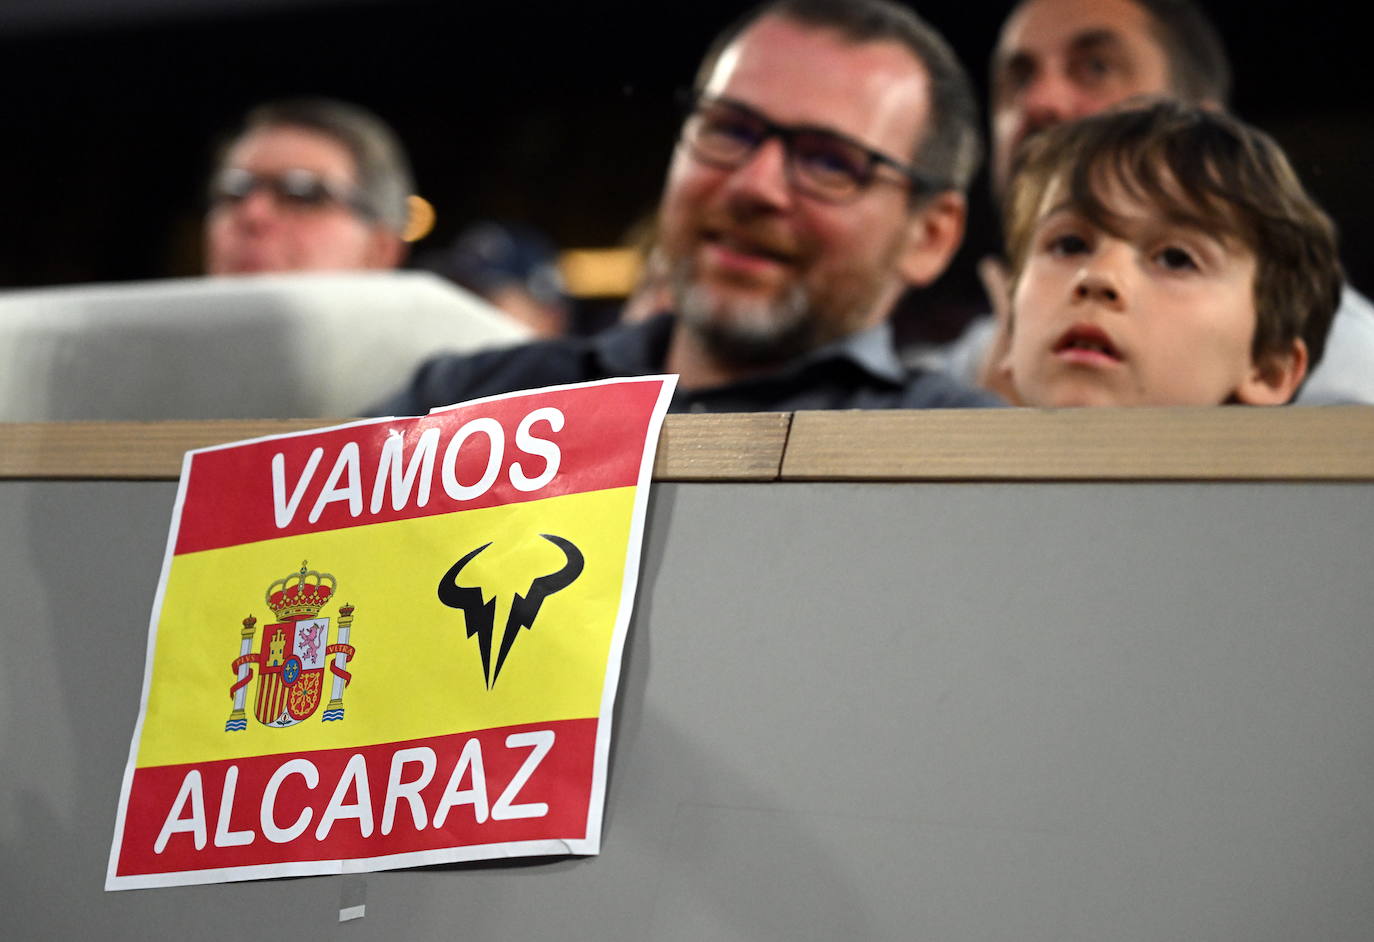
734,251
1084,343
1031,131
1020,143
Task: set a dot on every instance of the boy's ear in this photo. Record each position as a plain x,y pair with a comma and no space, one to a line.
1274,380
933,234
994,371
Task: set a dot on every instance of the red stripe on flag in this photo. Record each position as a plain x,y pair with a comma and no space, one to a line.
162,803
231,496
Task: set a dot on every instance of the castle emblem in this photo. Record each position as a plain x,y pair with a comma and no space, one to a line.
293,655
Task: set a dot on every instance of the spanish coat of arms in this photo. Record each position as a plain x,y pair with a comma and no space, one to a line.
294,655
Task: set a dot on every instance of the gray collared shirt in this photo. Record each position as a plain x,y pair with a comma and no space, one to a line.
861,371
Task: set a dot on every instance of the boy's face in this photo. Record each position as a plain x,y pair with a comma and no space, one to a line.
1161,315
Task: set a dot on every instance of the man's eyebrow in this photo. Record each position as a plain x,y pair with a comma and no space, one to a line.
1093,40
1019,61
805,126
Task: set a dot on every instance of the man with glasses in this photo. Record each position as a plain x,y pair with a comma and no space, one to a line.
308,185
820,172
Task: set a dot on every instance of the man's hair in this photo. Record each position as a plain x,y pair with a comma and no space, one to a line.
1199,70
1201,169
385,181
950,146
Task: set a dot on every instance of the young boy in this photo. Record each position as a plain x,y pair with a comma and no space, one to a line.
1164,255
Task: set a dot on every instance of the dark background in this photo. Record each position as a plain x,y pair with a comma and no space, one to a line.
557,114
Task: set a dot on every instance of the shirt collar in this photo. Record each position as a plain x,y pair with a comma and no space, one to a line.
871,349
634,349
637,350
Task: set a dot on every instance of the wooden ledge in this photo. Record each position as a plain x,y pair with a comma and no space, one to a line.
1332,443
740,446
1326,443
736,447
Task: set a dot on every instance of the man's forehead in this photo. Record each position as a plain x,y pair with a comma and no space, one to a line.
800,73
276,147
1041,26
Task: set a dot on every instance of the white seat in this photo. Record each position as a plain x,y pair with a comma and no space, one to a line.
264,346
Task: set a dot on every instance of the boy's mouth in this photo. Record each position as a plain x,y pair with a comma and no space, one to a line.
1084,343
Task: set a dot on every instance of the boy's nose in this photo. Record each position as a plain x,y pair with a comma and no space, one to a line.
1098,282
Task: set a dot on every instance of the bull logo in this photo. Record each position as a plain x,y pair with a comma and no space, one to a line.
480,616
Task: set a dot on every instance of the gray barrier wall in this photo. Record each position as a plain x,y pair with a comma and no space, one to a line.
850,710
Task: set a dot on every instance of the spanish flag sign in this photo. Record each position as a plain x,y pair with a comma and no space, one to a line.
391,643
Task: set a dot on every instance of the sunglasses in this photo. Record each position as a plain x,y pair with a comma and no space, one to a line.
294,190
820,163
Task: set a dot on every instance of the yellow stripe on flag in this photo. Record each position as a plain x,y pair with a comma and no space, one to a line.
416,673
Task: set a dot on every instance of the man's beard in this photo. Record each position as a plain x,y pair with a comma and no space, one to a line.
740,332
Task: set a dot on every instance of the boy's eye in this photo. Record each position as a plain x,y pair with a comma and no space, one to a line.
1176,259
1068,244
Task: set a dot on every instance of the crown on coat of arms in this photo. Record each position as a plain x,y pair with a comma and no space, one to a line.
301,594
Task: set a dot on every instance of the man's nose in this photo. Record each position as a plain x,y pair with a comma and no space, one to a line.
257,206
1049,99
763,179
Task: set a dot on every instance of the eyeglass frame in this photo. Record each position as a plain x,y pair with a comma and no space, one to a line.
920,184
350,198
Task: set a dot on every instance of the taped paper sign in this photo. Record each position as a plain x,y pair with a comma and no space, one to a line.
391,643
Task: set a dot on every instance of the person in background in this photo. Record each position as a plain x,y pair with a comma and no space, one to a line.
513,266
1062,60
820,171
1164,256
309,185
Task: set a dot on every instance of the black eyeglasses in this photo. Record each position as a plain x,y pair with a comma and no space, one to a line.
823,164
296,189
